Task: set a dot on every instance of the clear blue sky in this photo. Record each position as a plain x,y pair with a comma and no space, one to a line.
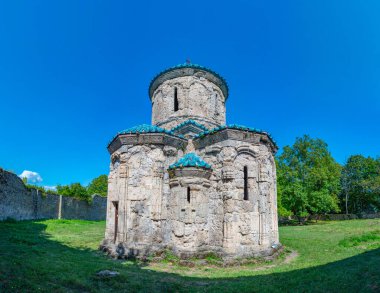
73,73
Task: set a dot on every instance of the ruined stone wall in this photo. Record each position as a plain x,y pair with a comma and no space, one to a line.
47,206
73,208
20,203
16,201
198,99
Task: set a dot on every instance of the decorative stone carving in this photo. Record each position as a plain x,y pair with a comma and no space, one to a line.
228,173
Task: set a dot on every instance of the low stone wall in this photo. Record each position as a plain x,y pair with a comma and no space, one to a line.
331,217
79,209
20,203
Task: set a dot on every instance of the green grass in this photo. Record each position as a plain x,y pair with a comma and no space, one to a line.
372,237
62,256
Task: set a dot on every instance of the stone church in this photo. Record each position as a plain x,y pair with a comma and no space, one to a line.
189,182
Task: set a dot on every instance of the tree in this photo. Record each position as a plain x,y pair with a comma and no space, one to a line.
361,184
308,178
75,190
98,185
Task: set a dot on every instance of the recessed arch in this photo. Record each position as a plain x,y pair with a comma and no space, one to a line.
248,150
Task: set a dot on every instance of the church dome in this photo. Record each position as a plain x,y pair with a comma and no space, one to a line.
188,69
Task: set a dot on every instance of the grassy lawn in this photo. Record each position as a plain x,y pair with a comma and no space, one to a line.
62,256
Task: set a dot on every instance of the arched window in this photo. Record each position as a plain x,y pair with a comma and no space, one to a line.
188,194
175,99
245,183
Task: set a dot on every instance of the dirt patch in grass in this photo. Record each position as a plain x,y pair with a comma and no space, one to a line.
289,257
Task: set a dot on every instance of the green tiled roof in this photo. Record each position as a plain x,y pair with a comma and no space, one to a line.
234,126
190,160
190,121
145,128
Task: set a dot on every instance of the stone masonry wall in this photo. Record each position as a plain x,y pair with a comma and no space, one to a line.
20,203
249,226
198,99
188,211
154,212
139,185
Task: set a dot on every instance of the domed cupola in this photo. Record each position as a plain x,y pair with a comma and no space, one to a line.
188,91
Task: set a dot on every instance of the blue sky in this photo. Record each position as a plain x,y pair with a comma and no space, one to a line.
73,73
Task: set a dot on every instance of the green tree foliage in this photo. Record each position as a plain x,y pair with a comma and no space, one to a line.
361,184
282,211
308,178
41,189
99,186
75,190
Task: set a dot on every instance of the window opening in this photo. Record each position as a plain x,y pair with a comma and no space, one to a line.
188,194
245,183
175,99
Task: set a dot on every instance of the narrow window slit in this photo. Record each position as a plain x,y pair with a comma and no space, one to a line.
245,183
188,194
175,99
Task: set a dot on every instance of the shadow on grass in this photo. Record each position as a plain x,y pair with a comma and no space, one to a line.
30,261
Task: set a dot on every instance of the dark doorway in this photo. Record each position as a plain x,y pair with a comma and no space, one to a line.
116,206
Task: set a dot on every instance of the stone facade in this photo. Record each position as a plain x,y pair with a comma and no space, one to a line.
189,182
198,96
